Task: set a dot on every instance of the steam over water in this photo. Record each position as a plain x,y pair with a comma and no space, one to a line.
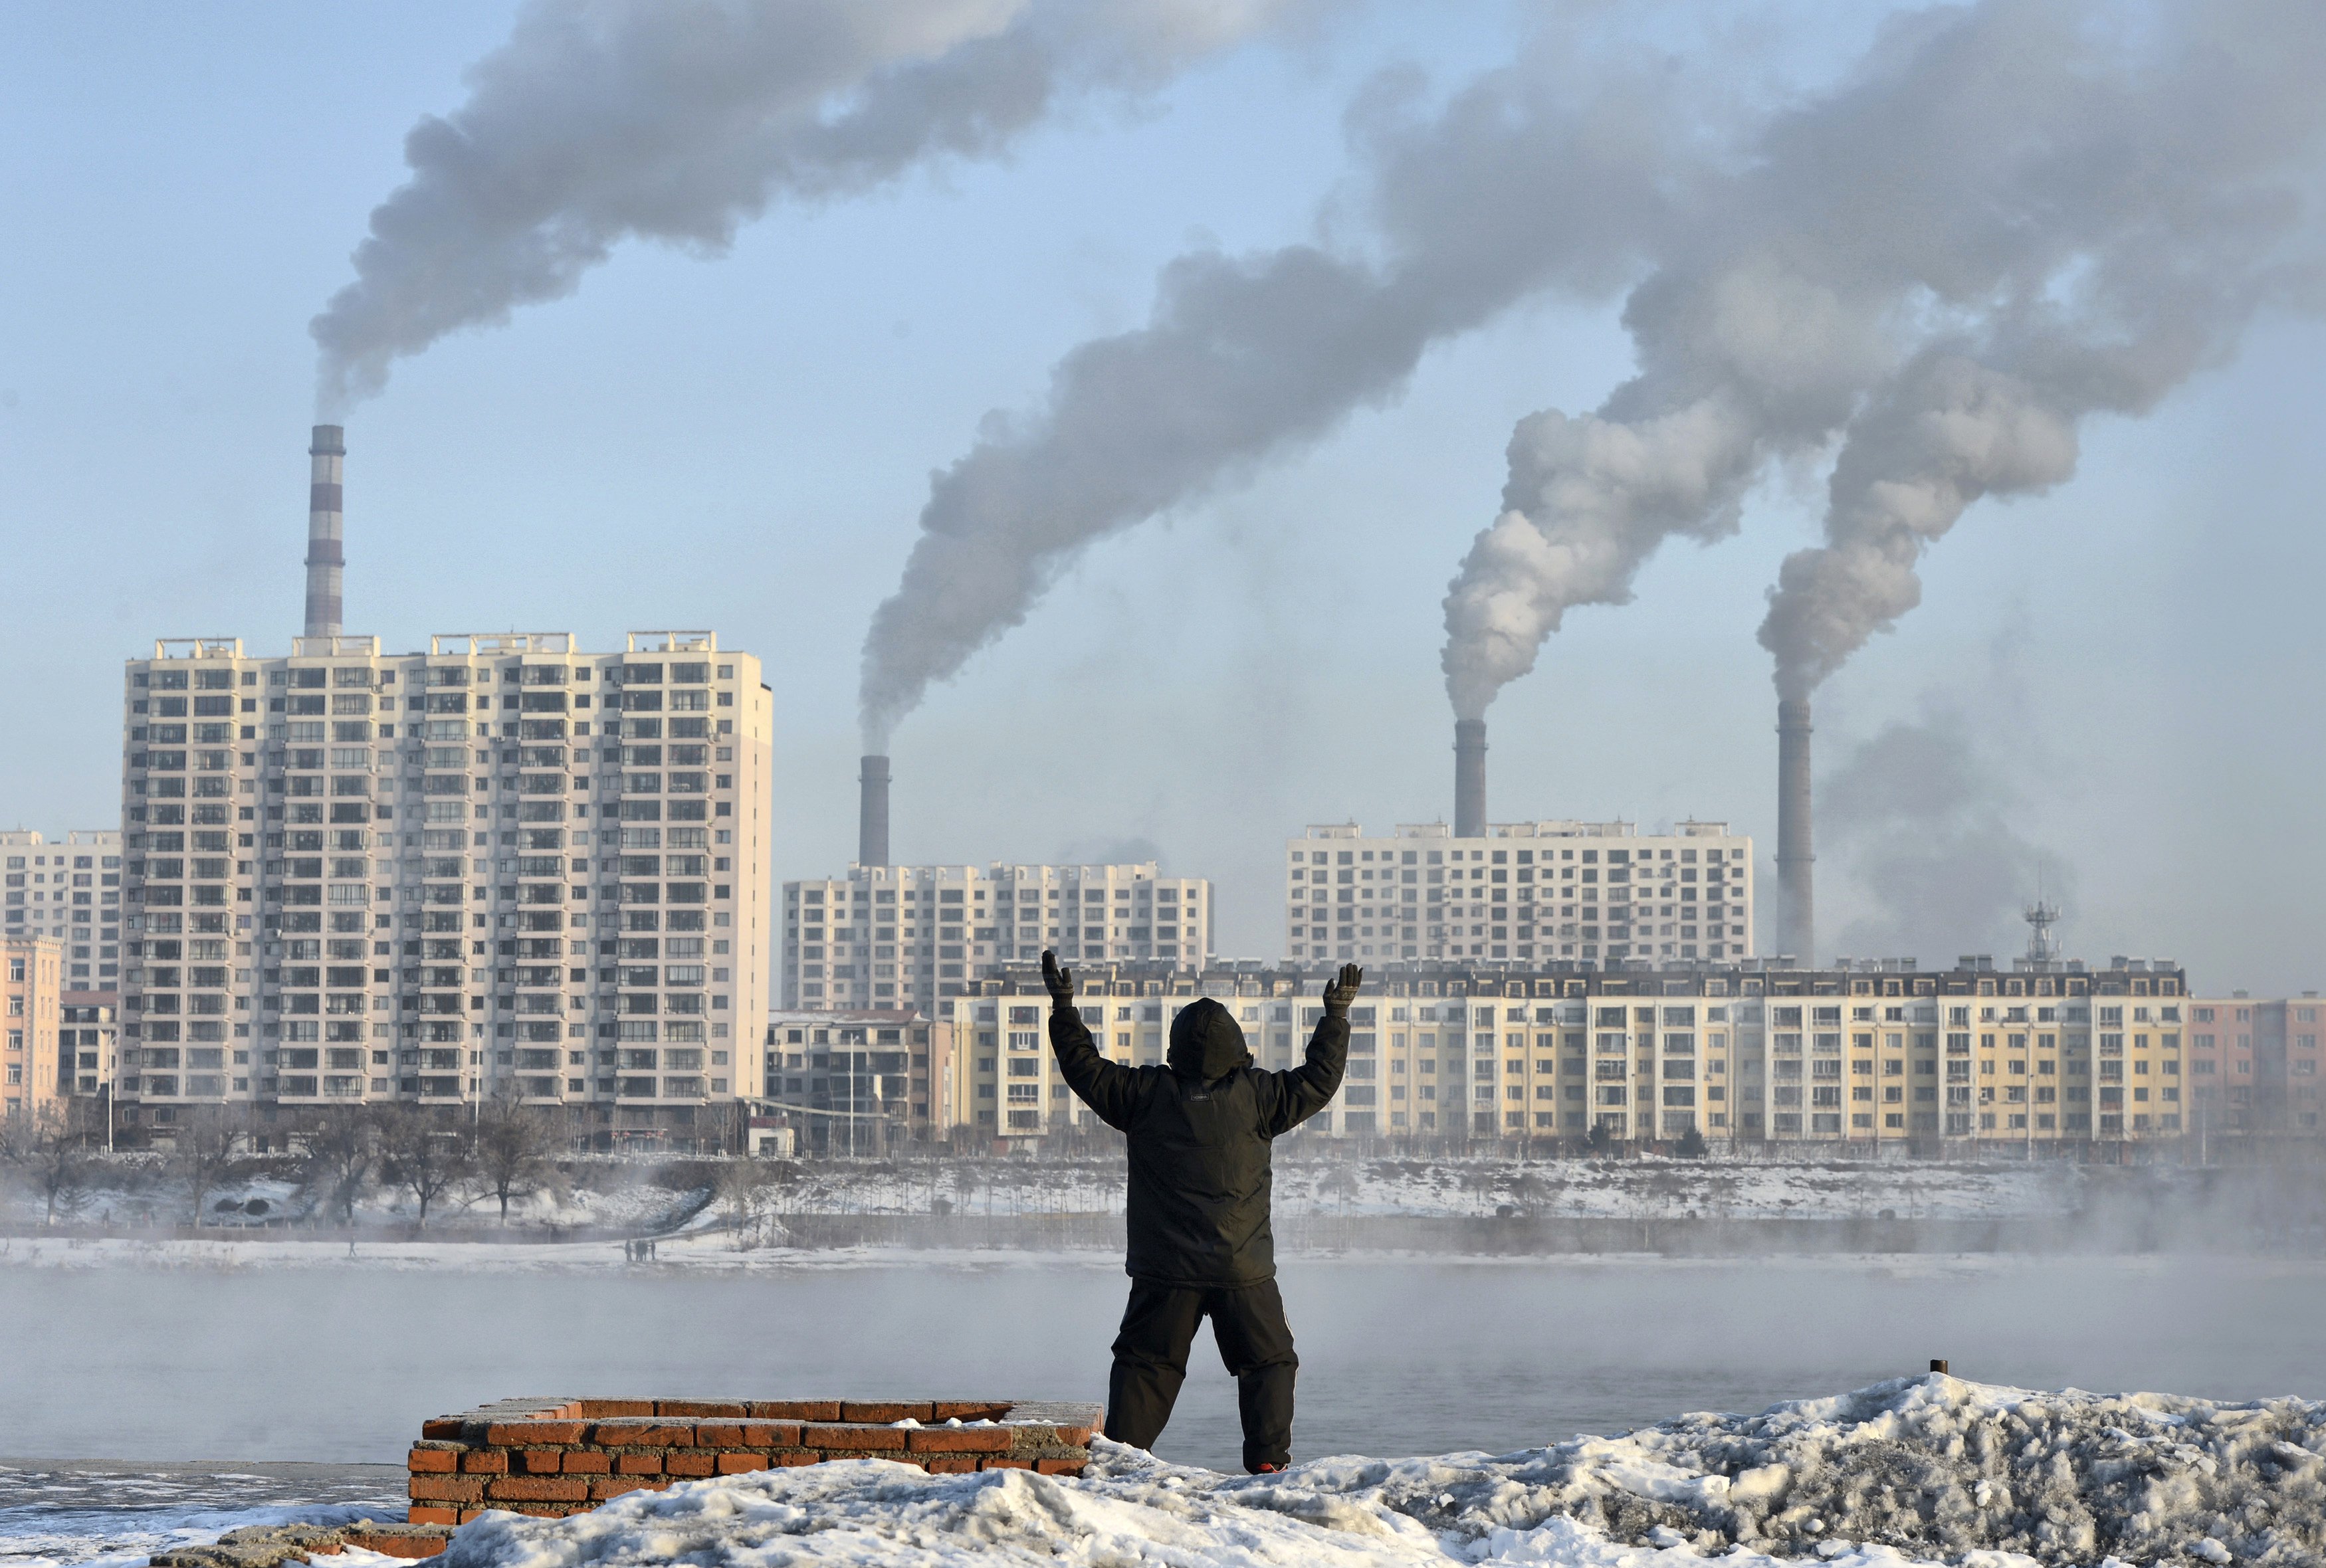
1397,1356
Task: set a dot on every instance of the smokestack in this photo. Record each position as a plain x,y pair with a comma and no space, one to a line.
872,814
1469,778
325,529
1797,903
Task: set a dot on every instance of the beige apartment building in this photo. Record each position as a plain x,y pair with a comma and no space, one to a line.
68,889
1525,893
32,1011
502,862
2041,1062
906,936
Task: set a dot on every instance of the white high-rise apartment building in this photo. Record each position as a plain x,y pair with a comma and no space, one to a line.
1526,892
503,861
69,888
902,936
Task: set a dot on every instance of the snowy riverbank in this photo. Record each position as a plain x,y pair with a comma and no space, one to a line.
1925,1470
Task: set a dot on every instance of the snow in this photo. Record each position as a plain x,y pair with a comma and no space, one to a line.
1908,1471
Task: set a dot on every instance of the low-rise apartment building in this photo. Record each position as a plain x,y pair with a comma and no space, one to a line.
2054,1059
1525,893
2254,1064
864,1082
32,1012
906,936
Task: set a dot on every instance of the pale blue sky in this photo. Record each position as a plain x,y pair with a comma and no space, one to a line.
744,442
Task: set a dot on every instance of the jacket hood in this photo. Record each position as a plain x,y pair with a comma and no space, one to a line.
1207,1041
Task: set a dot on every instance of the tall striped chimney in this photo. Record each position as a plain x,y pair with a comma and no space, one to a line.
1469,778
1797,901
326,529
872,814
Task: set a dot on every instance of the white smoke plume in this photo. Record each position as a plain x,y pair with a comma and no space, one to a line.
1537,176
2011,215
602,121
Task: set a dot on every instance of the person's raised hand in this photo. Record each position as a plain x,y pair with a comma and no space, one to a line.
1060,981
1339,993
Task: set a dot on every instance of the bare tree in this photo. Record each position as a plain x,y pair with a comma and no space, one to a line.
342,1148
205,1141
516,1147
61,1158
423,1156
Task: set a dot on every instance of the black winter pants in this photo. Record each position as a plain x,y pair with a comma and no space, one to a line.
1150,1362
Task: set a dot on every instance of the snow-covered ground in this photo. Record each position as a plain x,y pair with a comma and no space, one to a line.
633,1194
1924,1469
116,1516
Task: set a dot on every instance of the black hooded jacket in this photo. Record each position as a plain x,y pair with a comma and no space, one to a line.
1199,1131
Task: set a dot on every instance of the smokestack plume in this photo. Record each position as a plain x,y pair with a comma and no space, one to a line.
872,814
326,529
1797,903
1469,778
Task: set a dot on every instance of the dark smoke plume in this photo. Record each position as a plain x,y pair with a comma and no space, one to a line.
602,121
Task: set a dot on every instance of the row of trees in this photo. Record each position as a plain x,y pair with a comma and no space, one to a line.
505,1150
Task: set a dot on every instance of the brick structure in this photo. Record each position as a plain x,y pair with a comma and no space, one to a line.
556,1457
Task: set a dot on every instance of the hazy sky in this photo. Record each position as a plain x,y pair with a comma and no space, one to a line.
2111,684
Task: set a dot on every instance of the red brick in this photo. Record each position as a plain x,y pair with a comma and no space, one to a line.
1007,1464
485,1462
770,1435
586,1461
613,1409
884,1410
1060,1466
824,1435
719,1435
441,1426
440,1461
605,1487
795,1409
539,1488
468,1514
941,1464
447,1488
958,1438
796,1456
638,1464
644,1435
737,1463
431,1514
523,1434
969,1409
537,1460
1075,1436
733,1410
694,1463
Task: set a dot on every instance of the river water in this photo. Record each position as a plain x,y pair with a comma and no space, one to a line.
180,1369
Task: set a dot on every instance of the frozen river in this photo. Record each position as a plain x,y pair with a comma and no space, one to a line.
1398,1355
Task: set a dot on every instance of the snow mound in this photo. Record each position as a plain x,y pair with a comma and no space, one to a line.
1915,1471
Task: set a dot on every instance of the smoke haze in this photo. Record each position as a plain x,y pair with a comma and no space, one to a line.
2010,216
600,121
1533,177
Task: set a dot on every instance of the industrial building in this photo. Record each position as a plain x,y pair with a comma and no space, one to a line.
906,936
1520,892
355,874
1870,1056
